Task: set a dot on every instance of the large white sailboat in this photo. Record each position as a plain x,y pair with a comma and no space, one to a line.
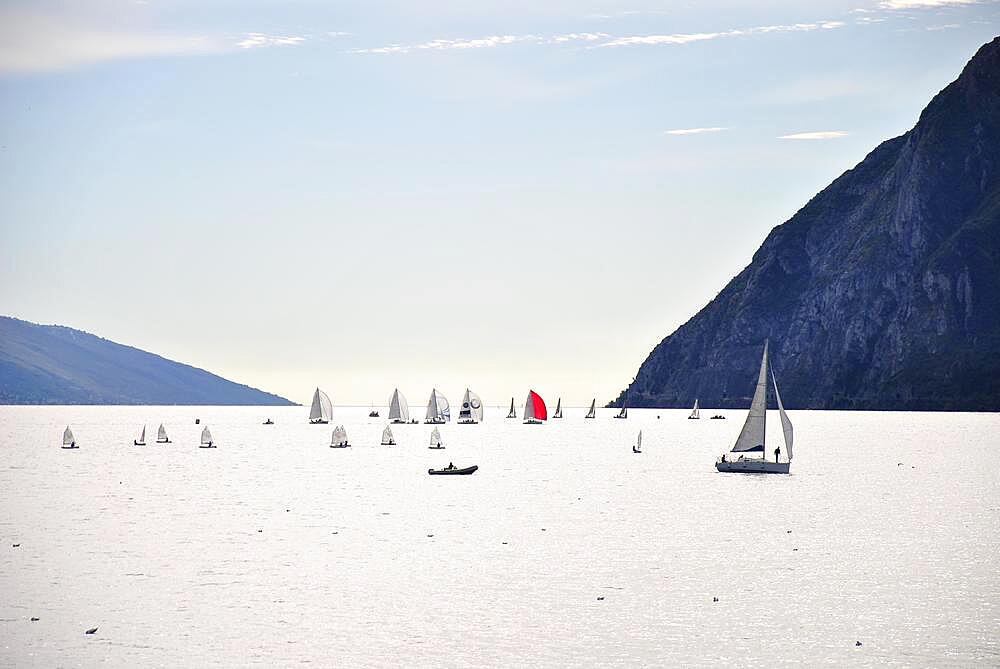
69,441
206,439
321,410
558,413
399,410
695,412
751,439
472,409
535,412
593,409
438,409
161,435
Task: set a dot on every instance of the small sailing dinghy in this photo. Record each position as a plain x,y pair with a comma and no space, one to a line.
387,438
268,422
69,441
558,413
161,435
593,409
339,439
535,412
453,470
695,412
399,410
141,441
206,439
624,410
751,439
638,444
513,412
438,409
472,409
321,410
373,414
435,440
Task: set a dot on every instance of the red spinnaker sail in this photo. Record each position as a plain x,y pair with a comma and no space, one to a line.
541,413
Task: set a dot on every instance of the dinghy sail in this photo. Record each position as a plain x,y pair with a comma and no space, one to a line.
512,413
534,409
69,441
752,436
339,438
438,409
638,444
399,410
322,408
206,439
141,441
558,413
593,409
695,412
472,409
161,435
435,439
387,439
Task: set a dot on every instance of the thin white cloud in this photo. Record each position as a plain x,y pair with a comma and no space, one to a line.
825,134
577,37
257,40
946,26
918,4
449,44
692,131
687,38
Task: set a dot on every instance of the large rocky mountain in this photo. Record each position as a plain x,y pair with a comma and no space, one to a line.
883,292
51,364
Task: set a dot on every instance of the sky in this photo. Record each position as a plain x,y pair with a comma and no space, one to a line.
368,194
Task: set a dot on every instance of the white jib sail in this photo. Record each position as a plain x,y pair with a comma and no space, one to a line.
206,436
786,424
593,409
435,437
752,435
399,410
638,442
322,407
161,434
695,412
68,437
387,439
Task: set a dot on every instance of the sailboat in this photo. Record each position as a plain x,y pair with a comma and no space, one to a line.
751,439
513,412
339,439
558,413
435,439
695,412
624,410
438,409
69,441
638,444
206,439
161,435
322,408
141,441
387,439
534,409
593,409
472,409
399,410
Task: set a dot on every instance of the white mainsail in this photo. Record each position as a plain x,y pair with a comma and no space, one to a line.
206,436
695,412
142,437
513,412
399,410
786,424
435,437
387,439
339,436
472,408
438,409
322,408
68,438
593,409
752,435
638,442
558,413
161,435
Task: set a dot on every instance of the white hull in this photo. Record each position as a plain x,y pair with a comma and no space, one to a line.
399,422
207,446
753,467
319,421
467,421
533,421
435,421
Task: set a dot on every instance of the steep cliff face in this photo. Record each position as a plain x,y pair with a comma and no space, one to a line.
883,292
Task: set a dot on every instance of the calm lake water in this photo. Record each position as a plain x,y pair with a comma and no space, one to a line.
274,550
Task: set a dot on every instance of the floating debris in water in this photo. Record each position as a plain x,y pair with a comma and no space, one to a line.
430,535
92,630
15,545
600,599
857,643
260,530
34,619
715,599
504,543
788,531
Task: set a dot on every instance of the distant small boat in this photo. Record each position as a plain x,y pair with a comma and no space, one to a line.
558,413
373,414
535,412
69,441
339,439
513,412
453,471
399,410
435,439
141,441
387,438
472,409
321,410
438,409
638,444
718,417
206,439
593,409
161,435
624,410
695,412
268,422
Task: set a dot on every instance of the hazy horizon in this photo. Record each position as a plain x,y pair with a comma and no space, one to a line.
379,195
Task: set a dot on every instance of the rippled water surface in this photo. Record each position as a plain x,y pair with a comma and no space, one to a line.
274,550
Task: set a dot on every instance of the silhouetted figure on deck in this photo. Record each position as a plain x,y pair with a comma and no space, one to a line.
777,452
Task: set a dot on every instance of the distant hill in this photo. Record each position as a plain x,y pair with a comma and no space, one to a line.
883,292
51,364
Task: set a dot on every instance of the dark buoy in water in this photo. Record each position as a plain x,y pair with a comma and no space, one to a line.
260,530
857,643
15,545
92,630
600,599
788,531
504,543
430,535
34,619
197,421
715,599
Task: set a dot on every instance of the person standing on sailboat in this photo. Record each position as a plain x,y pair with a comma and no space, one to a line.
777,452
